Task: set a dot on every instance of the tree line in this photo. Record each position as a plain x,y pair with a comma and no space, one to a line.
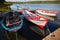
2,1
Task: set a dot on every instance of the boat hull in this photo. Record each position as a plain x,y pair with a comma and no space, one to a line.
13,28
47,13
36,19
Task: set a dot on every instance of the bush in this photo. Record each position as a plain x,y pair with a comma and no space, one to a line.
2,1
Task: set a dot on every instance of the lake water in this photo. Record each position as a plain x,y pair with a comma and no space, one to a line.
27,32
37,6
55,7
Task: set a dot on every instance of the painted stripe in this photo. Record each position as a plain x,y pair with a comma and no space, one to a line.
39,22
44,13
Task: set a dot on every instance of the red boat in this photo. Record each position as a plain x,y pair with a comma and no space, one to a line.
47,12
36,19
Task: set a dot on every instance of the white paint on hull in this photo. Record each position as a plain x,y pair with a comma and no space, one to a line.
48,14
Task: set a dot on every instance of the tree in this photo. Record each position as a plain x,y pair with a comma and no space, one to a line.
2,1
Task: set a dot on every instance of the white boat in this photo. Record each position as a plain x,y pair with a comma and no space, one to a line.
40,21
47,12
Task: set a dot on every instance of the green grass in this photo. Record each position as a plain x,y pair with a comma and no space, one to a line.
4,8
38,2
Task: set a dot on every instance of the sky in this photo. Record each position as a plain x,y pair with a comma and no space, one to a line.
27,0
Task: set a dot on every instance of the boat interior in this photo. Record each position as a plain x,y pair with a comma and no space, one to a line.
12,19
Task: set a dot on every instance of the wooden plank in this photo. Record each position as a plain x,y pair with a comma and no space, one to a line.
12,36
53,36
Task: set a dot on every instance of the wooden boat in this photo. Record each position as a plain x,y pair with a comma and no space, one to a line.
12,21
36,19
47,12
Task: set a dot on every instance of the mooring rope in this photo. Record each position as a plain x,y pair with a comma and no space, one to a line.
7,35
16,35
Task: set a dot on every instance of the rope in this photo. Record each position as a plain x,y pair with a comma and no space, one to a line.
7,35
16,35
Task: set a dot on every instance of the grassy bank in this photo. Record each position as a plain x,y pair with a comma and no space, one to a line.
38,2
5,7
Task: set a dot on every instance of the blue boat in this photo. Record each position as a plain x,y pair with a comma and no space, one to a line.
12,21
